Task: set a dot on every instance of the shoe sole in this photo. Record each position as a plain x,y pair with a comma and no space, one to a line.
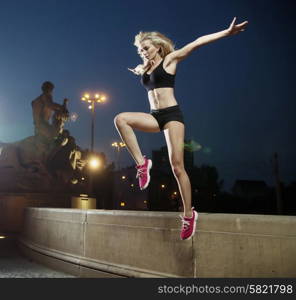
148,167
194,227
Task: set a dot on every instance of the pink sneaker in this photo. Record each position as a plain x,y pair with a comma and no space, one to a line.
188,225
143,173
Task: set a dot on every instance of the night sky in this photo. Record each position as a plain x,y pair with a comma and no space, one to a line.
237,94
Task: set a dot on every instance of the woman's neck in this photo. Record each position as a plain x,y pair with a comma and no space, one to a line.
155,61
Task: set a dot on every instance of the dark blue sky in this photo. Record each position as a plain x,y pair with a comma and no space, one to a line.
238,94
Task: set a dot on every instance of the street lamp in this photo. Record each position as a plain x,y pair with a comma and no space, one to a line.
118,146
97,98
93,163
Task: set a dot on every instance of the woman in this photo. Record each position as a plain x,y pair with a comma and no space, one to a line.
157,72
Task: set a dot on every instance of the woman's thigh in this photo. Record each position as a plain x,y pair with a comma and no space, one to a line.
140,121
174,135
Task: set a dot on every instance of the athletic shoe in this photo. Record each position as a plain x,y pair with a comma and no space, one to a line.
188,225
143,173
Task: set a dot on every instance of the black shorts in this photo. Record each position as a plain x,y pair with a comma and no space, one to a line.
165,115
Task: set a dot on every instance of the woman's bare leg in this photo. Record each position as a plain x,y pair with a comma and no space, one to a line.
125,124
174,135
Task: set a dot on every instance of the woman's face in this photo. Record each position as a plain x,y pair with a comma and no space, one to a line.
147,50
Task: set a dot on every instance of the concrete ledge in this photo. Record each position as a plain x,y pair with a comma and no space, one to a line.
104,243
57,263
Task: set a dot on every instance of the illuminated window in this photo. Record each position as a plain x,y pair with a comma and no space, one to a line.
122,203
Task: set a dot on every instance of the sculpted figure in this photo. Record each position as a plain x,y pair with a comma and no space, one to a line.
51,155
44,109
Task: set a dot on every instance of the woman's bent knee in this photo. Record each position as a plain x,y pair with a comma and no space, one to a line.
119,120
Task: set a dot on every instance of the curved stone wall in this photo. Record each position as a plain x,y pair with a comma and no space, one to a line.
101,243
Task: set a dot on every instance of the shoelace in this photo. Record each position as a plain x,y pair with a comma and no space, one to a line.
141,172
185,223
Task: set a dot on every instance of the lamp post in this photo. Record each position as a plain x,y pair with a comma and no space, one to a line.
118,145
92,100
97,98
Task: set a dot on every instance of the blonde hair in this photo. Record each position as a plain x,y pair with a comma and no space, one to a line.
165,45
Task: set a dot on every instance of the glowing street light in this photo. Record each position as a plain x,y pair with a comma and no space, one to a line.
118,146
94,163
97,98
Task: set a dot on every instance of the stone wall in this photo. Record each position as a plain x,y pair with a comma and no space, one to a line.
101,243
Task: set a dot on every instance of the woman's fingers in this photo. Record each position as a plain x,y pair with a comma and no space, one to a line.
243,24
235,28
233,21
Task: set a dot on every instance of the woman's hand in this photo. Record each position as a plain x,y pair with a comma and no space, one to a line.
234,29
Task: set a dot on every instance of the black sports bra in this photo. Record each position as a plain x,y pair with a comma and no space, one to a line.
159,78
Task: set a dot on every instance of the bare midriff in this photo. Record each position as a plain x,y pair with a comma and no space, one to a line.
161,98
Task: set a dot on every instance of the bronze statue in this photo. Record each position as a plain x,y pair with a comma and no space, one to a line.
50,156
44,109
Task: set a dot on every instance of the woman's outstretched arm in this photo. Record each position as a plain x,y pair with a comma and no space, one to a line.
182,53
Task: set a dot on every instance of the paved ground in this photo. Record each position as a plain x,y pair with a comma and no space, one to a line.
14,265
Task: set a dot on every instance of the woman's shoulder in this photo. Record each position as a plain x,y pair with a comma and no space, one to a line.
169,64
